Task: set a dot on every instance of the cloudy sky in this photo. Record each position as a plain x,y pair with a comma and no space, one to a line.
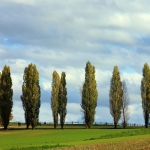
63,36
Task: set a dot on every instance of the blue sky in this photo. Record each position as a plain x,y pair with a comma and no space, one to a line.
63,36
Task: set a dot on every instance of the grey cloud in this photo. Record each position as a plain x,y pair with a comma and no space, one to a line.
52,20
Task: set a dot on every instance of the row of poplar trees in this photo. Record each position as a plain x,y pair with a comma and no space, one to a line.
118,99
30,96
118,96
89,96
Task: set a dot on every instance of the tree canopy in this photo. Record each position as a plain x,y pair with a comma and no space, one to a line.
89,95
115,96
62,99
6,96
31,95
54,97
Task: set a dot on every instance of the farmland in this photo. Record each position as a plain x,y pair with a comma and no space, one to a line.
74,137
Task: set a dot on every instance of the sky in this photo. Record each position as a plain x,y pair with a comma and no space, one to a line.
63,36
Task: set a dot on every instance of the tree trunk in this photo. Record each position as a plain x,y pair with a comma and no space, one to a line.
27,126
27,123
32,126
54,126
5,126
146,122
146,119
61,121
62,124
55,121
124,126
115,125
124,120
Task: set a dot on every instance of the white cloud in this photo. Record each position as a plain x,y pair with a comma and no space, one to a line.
17,80
47,86
18,112
17,65
136,114
132,78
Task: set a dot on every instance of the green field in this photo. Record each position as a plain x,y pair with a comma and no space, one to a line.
44,137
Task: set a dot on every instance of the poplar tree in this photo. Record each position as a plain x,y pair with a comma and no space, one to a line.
6,95
89,95
62,99
31,95
115,96
125,105
54,97
145,93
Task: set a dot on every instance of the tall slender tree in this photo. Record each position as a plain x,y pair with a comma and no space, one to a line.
62,99
31,95
6,95
125,105
89,95
115,96
145,93
54,97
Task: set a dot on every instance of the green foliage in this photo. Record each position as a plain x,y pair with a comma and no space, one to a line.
31,95
145,93
115,96
62,99
6,95
89,95
54,97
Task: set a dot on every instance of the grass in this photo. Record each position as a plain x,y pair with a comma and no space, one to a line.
44,137
41,137
123,134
